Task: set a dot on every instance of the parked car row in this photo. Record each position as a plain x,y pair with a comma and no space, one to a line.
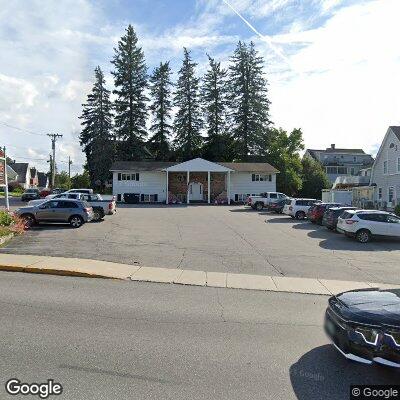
75,207
362,225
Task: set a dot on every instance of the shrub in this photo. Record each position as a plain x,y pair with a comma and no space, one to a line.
15,187
6,218
397,210
11,224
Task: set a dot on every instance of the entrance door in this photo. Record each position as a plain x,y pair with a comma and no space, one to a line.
196,191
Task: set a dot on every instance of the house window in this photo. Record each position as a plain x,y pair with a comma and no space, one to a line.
390,194
241,197
379,193
342,170
261,178
385,167
128,177
398,164
119,195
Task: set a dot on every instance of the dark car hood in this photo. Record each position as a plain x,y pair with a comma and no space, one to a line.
373,307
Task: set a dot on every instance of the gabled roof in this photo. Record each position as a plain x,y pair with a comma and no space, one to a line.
142,166
336,150
396,131
20,168
198,165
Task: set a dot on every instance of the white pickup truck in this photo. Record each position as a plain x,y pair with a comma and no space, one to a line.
100,206
265,199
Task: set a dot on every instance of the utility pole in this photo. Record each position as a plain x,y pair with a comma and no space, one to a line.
5,179
50,161
69,172
53,137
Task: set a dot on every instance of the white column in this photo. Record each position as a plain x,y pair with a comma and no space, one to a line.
209,186
166,201
187,184
228,187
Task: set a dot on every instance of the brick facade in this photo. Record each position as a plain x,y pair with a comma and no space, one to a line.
178,186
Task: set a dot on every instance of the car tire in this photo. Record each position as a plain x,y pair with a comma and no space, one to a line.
300,215
29,220
363,236
259,206
76,221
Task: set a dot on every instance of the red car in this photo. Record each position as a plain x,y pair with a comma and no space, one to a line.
316,212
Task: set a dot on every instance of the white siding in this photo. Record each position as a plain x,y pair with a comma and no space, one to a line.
241,183
153,182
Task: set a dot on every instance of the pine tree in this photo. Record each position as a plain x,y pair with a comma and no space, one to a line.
96,137
130,79
161,105
215,106
187,123
248,100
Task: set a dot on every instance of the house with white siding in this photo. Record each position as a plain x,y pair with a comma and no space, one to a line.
196,180
385,175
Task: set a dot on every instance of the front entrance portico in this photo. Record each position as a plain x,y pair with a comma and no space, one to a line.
200,175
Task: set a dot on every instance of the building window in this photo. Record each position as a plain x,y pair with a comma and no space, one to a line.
385,167
241,197
128,177
379,193
342,170
119,195
398,164
261,178
390,194
149,198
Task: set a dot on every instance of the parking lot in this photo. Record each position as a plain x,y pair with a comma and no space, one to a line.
217,238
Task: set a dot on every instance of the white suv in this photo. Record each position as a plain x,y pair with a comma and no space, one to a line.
364,224
297,208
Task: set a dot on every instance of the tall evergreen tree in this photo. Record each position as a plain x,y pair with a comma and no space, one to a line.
215,106
130,79
187,123
161,105
96,136
248,100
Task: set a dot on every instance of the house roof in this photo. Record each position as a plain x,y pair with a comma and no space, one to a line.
199,165
42,178
395,130
140,166
337,150
20,168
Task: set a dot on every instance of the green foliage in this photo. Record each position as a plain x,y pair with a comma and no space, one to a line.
5,218
397,210
81,181
62,180
96,137
314,178
249,104
130,81
161,106
15,187
187,123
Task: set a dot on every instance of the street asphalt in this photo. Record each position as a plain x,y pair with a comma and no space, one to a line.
105,339
218,239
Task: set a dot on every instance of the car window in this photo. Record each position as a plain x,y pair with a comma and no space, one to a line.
394,220
347,215
273,195
51,204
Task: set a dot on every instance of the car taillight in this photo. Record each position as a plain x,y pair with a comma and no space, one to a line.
88,209
110,206
350,221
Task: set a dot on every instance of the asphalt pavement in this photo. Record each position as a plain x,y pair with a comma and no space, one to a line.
106,339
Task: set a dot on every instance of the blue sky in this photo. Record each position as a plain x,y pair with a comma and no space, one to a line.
332,65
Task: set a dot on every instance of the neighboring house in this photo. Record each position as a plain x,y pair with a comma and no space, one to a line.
33,179
341,162
23,174
196,180
11,174
386,170
43,180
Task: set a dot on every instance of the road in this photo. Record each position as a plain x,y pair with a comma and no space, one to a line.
219,239
105,339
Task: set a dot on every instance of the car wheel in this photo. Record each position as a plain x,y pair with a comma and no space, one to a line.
259,206
300,215
363,236
76,221
29,220
97,215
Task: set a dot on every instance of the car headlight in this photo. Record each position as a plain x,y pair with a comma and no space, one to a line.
370,336
395,336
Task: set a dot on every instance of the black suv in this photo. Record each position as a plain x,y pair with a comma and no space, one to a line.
30,194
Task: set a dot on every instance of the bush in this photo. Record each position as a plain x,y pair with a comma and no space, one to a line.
11,224
397,210
6,219
15,187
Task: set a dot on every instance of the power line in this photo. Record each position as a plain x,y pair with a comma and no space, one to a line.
22,130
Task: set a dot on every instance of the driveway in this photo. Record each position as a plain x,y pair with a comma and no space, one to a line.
217,238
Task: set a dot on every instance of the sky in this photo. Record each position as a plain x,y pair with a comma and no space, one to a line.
333,66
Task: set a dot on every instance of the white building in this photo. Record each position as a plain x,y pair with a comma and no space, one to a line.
196,180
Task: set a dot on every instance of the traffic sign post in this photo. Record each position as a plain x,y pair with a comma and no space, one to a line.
3,175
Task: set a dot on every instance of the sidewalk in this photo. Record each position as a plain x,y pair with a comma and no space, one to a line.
104,269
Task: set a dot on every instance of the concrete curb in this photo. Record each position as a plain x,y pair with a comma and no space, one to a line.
104,269
5,239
